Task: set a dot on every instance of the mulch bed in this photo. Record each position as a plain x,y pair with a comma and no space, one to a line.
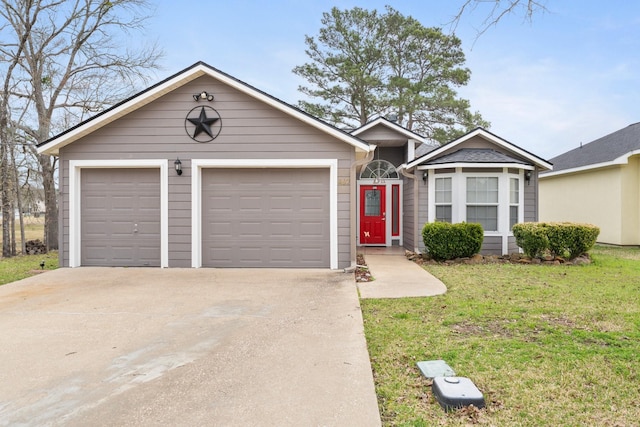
362,273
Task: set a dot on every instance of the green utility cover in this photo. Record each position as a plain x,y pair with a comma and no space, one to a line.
435,368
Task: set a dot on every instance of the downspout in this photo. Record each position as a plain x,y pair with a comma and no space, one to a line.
411,176
354,197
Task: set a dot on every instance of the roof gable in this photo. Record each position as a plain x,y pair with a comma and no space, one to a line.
446,149
614,148
394,127
53,145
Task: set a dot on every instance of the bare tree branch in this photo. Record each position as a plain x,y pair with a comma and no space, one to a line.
498,11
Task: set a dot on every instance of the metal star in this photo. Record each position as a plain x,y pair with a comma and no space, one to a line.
203,124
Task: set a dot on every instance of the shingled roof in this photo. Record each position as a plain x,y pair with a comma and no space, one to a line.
616,146
475,155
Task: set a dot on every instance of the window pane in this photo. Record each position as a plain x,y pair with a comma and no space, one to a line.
487,216
482,190
514,193
443,190
513,216
443,213
372,202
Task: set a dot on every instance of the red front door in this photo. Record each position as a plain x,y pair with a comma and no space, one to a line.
373,228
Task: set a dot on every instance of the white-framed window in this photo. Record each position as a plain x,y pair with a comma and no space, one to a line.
514,201
443,200
493,199
482,201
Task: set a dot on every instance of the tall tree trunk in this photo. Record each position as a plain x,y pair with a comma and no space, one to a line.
18,196
50,202
13,229
6,200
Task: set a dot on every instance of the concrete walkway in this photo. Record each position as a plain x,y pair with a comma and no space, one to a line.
396,276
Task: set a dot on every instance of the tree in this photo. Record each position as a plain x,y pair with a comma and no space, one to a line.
69,61
498,9
365,64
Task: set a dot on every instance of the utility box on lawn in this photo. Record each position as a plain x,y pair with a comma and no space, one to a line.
456,392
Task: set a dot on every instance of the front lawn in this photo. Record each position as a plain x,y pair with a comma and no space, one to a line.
547,345
22,266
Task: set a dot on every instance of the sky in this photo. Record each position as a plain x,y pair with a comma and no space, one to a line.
569,76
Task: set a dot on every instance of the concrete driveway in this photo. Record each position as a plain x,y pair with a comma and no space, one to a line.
135,346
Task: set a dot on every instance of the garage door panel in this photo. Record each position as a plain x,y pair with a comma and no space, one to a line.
265,218
120,217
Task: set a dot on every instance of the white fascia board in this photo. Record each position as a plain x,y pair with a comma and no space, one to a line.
622,160
286,108
393,126
476,165
53,146
490,137
91,125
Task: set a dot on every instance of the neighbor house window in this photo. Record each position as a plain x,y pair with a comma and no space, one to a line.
443,200
514,201
482,202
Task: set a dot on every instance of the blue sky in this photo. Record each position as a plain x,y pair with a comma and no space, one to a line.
571,75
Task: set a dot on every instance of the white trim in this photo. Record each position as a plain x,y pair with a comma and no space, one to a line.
53,146
622,160
394,127
476,165
459,199
196,195
75,199
489,137
388,189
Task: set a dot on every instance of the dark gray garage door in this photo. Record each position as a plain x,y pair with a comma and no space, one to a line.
265,218
120,217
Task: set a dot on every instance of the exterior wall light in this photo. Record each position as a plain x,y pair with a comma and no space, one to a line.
203,96
178,166
425,175
527,177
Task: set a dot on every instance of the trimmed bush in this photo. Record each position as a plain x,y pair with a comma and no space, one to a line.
563,239
532,238
445,241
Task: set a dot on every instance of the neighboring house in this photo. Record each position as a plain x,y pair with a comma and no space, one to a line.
203,170
598,183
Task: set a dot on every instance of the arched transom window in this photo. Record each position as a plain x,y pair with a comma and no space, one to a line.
379,169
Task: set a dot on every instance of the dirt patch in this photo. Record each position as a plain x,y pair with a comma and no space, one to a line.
362,272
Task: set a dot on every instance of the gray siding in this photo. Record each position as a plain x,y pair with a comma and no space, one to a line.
250,130
513,247
408,220
531,198
492,245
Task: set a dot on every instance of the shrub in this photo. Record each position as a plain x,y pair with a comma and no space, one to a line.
531,237
445,241
559,238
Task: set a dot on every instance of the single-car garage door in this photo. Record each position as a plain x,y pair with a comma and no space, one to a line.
120,217
265,218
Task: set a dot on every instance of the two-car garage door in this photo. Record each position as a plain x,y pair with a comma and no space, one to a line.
274,217
265,218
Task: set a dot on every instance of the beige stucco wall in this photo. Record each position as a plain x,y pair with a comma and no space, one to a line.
603,197
631,202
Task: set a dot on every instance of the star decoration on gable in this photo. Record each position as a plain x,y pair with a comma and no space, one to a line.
203,124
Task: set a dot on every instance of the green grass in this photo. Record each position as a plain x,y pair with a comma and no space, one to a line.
22,266
547,345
